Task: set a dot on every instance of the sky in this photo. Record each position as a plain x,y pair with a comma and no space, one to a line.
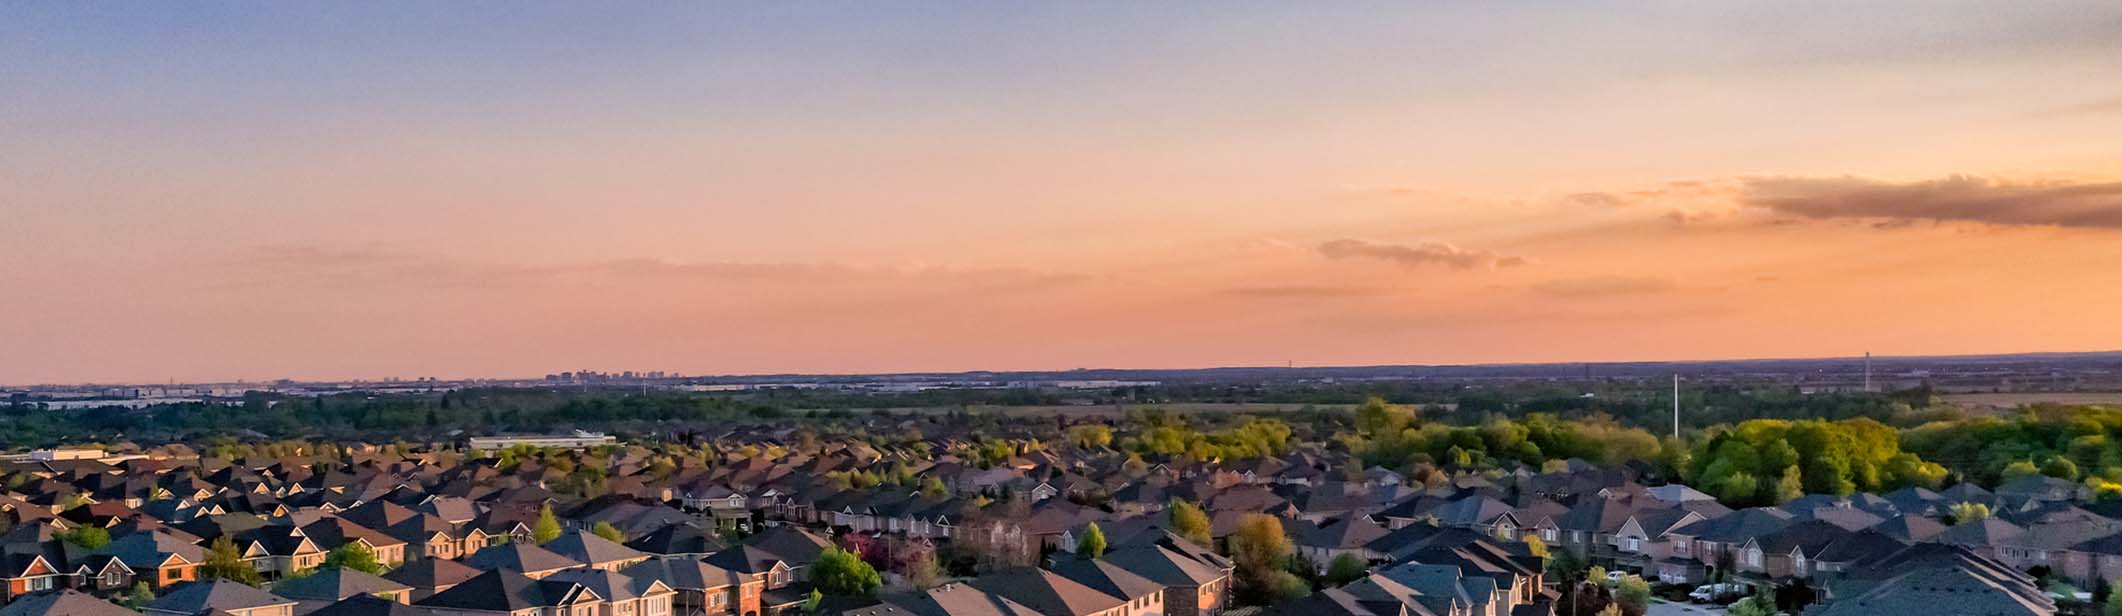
209,191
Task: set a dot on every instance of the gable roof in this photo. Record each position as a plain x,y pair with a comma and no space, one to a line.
196,597
509,591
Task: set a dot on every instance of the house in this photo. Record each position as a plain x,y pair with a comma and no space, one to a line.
164,559
1144,597
512,593
1934,579
28,573
623,595
1193,584
1323,544
67,602
366,605
597,552
314,591
428,576
330,532
219,597
702,588
530,560
1050,593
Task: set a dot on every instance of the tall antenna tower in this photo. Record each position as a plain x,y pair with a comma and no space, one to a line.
1676,405
1867,371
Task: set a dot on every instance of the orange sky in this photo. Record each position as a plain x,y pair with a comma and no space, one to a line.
463,193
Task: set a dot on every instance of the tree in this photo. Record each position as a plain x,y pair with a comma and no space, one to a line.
224,562
1753,606
608,532
2021,468
922,571
1188,521
1633,595
1535,546
1092,545
840,572
356,556
811,603
933,489
140,595
2111,608
89,537
1963,513
2061,468
1091,436
1346,568
1261,550
547,528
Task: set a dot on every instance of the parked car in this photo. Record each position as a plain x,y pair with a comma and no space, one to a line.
1718,593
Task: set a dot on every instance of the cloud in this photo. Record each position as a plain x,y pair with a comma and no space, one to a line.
1954,198
1424,254
1603,286
1301,292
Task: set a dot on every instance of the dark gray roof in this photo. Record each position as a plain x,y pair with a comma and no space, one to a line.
195,597
507,591
1108,578
66,602
333,584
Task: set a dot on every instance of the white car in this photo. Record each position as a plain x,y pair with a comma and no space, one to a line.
1717,593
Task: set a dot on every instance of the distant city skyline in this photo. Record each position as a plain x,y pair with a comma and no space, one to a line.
208,192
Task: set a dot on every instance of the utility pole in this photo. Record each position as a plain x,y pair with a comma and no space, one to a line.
1676,405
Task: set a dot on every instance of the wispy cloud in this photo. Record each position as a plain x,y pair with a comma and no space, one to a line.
1302,292
1419,255
1604,286
1954,198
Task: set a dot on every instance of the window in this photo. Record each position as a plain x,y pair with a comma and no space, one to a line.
1753,557
1547,534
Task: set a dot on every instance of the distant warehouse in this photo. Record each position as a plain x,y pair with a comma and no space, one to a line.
577,440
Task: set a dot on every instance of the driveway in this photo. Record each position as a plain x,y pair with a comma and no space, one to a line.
1682,609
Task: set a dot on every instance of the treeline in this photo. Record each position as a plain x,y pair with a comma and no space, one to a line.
354,415
1772,461
1396,437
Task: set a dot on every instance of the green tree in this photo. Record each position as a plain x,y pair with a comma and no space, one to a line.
1963,513
1190,522
811,603
547,528
2061,468
1261,550
2017,469
1092,545
1790,487
224,562
356,556
139,596
1346,568
932,488
89,537
608,532
1633,595
1091,436
839,572
1758,605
